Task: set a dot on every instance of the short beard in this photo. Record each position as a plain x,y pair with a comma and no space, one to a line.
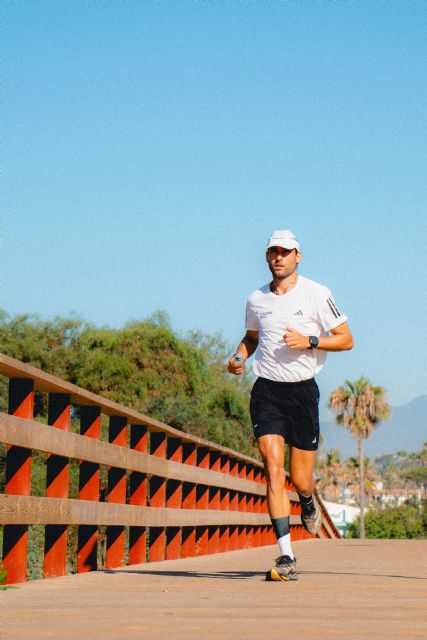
276,276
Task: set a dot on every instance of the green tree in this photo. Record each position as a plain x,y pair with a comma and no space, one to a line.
405,521
143,365
371,476
419,476
404,469
360,407
334,476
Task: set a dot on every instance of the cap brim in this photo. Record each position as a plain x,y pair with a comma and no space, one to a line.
285,244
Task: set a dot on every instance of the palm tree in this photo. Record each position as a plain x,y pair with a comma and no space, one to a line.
360,407
334,476
371,476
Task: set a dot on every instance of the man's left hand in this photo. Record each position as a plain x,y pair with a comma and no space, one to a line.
295,340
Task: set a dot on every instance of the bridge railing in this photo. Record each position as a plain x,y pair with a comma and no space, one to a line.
168,494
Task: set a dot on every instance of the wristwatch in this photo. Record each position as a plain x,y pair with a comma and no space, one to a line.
313,342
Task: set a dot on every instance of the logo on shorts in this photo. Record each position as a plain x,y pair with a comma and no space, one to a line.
314,441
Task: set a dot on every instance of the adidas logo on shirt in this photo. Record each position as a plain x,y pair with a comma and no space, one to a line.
298,313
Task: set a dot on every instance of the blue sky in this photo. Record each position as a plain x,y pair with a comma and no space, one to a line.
149,149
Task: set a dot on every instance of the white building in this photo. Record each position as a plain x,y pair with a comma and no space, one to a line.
342,515
394,497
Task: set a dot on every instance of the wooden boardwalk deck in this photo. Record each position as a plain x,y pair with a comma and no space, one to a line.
347,589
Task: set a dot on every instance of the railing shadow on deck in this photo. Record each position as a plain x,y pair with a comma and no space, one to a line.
170,495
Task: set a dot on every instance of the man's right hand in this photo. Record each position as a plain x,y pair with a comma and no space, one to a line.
236,367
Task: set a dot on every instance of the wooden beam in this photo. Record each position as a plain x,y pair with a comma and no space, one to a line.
326,519
36,510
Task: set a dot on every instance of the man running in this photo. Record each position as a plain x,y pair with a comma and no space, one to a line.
291,323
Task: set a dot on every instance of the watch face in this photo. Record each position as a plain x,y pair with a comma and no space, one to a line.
313,342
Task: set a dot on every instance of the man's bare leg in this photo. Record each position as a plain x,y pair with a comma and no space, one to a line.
301,472
301,467
272,449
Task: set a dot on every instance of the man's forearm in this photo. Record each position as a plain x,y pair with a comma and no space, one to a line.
247,347
337,342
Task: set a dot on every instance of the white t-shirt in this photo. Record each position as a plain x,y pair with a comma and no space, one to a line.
310,309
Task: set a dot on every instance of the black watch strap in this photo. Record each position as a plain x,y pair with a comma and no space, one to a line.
313,342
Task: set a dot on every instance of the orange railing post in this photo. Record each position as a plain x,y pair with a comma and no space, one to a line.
115,552
18,482
202,502
138,496
173,500
87,535
214,503
241,499
57,481
188,501
157,484
250,507
224,503
234,506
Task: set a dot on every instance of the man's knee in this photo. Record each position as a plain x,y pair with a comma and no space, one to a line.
304,485
275,473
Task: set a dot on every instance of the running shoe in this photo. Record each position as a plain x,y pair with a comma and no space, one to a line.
312,518
284,570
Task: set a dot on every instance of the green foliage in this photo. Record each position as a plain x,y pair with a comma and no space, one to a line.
405,521
417,474
403,469
3,576
359,406
145,366
36,534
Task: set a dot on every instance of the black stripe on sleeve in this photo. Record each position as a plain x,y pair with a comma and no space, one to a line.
332,308
335,307
337,313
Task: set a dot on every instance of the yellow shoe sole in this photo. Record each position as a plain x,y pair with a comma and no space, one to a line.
274,575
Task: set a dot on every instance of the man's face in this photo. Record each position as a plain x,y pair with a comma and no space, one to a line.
282,262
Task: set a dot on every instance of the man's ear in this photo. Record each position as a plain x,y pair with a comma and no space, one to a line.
299,257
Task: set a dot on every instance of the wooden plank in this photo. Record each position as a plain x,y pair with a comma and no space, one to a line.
42,437
51,384
36,510
332,531
327,520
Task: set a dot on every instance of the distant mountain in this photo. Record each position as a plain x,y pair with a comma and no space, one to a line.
405,430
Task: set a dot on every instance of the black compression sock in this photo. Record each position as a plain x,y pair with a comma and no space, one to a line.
307,503
281,526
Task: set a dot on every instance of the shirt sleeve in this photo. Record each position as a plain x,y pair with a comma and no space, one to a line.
252,322
328,312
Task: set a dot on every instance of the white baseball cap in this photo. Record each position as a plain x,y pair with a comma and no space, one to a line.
283,238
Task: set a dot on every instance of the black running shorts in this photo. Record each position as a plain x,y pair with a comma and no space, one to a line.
288,409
